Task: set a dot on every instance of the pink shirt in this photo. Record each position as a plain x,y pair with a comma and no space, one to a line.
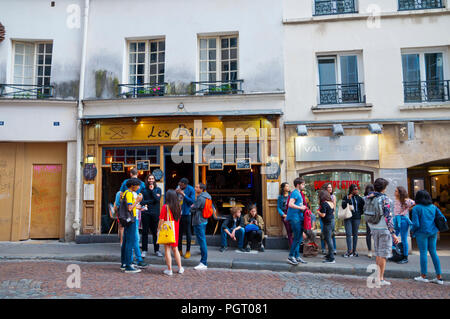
399,210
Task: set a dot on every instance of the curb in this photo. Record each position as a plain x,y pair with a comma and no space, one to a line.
334,269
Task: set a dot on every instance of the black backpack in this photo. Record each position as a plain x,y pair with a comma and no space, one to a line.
440,221
125,216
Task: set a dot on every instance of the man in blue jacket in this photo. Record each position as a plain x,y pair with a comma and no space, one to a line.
186,194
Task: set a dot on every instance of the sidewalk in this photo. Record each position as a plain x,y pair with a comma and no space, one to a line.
271,259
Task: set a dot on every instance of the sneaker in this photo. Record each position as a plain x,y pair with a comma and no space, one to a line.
181,270
421,279
347,255
335,252
244,250
141,264
324,252
222,249
299,260
292,261
131,270
385,283
261,249
403,261
123,266
355,254
158,253
168,272
144,254
201,266
329,261
187,255
437,281
369,254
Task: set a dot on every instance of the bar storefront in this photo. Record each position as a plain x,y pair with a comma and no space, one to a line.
171,148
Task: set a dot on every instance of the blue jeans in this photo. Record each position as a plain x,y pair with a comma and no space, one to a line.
327,232
322,242
351,231
129,238
403,231
136,249
428,243
240,234
200,231
297,230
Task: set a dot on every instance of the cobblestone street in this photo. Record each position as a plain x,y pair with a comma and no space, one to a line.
47,280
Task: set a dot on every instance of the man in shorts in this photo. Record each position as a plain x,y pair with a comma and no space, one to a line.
383,232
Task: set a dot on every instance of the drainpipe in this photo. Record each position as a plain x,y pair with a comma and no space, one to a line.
77,220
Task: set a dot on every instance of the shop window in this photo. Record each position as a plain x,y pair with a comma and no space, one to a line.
341,181
129,155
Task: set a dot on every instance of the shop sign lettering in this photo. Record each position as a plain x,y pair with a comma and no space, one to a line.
335,184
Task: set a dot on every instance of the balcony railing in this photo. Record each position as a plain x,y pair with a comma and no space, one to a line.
26,91
419,4
326,7
426,91
341,93
218,87
142,90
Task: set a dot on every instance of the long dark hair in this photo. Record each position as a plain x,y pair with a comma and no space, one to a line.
283,185
147,184
369,189
423,198
173,204
324,195
403,195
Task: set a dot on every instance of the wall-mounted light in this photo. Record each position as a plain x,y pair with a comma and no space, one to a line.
375,128
337,130
135,119
302,130
90,159
444,170
180,106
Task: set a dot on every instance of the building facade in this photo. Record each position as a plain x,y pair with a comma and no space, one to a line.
367,94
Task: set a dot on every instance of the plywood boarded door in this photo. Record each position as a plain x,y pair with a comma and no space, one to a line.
7,172
46,201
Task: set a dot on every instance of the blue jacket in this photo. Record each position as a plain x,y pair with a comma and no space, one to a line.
188,200
423,219
124,186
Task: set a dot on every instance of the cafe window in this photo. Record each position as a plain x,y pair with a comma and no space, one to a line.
129,155
341,181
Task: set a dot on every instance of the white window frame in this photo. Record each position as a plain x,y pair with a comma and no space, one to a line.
218,55
147,62
337,56
35,62
421,52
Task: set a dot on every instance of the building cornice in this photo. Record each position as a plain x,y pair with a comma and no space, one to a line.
37,102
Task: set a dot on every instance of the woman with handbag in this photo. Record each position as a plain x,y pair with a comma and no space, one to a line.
402,206
351,224
424,229
254,229
168,230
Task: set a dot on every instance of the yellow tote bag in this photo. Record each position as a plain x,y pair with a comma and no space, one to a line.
166,234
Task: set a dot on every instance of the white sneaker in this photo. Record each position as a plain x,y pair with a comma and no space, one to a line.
181,270
420,278
200,266
437,281
369,254
144,254
385,283
168,272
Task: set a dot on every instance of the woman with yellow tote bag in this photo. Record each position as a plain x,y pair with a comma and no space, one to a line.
168,227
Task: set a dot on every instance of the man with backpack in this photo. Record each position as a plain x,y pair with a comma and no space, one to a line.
377,212
201,210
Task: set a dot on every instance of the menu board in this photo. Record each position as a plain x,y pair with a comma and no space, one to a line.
117,167
243,163
143,165
215,165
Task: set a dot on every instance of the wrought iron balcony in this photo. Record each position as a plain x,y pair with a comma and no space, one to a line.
326,7
218,87
419,4
426,91
26,91
142,90
341,93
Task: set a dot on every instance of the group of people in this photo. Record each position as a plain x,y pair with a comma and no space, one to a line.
294,209
184,206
